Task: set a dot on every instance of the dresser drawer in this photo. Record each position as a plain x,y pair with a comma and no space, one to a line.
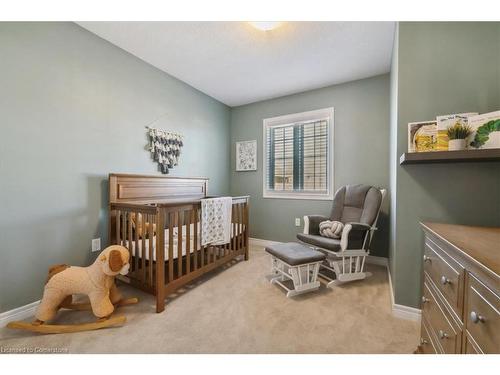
483,316
448,335
447,274
426,343
471,348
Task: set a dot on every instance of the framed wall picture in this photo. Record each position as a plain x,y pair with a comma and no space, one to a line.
246,156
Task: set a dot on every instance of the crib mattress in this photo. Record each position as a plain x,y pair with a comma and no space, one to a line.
140,252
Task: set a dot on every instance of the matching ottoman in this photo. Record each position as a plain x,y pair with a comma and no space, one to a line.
297,263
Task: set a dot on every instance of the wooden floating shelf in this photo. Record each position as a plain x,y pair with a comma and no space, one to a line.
492,154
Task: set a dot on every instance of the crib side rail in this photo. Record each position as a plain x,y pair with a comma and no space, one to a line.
135,226
184,222
176,229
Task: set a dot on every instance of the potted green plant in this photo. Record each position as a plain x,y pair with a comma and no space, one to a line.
457,135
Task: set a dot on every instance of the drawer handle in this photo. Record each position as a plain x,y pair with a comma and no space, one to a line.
445,280
423,341
427,258
443,334
476,318
425,300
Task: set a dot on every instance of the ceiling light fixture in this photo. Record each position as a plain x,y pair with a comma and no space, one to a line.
266,25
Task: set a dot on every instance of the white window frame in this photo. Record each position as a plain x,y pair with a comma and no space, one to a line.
325,113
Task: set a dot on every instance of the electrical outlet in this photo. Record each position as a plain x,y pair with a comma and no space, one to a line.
96,244
297,221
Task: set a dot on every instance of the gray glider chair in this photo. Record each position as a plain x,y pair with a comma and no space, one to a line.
358,208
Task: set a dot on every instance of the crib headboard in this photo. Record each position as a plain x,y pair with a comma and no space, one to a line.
128,188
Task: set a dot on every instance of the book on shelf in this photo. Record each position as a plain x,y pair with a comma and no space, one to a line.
422,136
486,131
446,121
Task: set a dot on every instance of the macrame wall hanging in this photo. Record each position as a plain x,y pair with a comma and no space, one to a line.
165,148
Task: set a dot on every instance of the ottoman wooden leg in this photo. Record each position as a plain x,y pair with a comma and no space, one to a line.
304,277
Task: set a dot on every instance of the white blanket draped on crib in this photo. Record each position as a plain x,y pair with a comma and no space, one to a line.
216,220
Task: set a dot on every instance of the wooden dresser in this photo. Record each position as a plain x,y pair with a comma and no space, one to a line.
461,290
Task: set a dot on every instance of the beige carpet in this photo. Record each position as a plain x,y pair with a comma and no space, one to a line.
238,311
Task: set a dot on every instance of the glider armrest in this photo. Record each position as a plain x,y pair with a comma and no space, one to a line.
359,226
311,223
352,227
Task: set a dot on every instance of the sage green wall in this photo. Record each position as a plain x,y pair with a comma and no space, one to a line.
393,149
73,108
498,65
361,152
441,68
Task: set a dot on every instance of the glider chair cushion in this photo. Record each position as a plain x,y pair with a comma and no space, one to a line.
295,254
331,244
357,205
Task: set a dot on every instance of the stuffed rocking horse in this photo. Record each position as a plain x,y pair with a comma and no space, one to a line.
96,281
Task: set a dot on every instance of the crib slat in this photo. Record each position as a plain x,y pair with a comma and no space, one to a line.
202,248
240,225
160,260
118,237
187,220
171,223
243,226
136,240
180,220
151,258
233,219
230,245
237,232
247,233
195,239
129,232
143,248
242,235
124,228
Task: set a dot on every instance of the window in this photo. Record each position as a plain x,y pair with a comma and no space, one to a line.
298,155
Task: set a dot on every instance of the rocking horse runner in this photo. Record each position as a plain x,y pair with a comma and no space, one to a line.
95,281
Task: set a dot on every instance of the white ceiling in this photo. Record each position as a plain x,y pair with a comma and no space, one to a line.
238,64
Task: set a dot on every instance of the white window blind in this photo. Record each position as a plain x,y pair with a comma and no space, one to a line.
297,155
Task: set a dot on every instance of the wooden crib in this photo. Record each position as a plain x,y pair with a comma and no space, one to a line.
147,213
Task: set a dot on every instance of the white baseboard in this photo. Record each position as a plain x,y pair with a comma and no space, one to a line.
406,312
402,311
399,311
260,242
379,261
19,313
